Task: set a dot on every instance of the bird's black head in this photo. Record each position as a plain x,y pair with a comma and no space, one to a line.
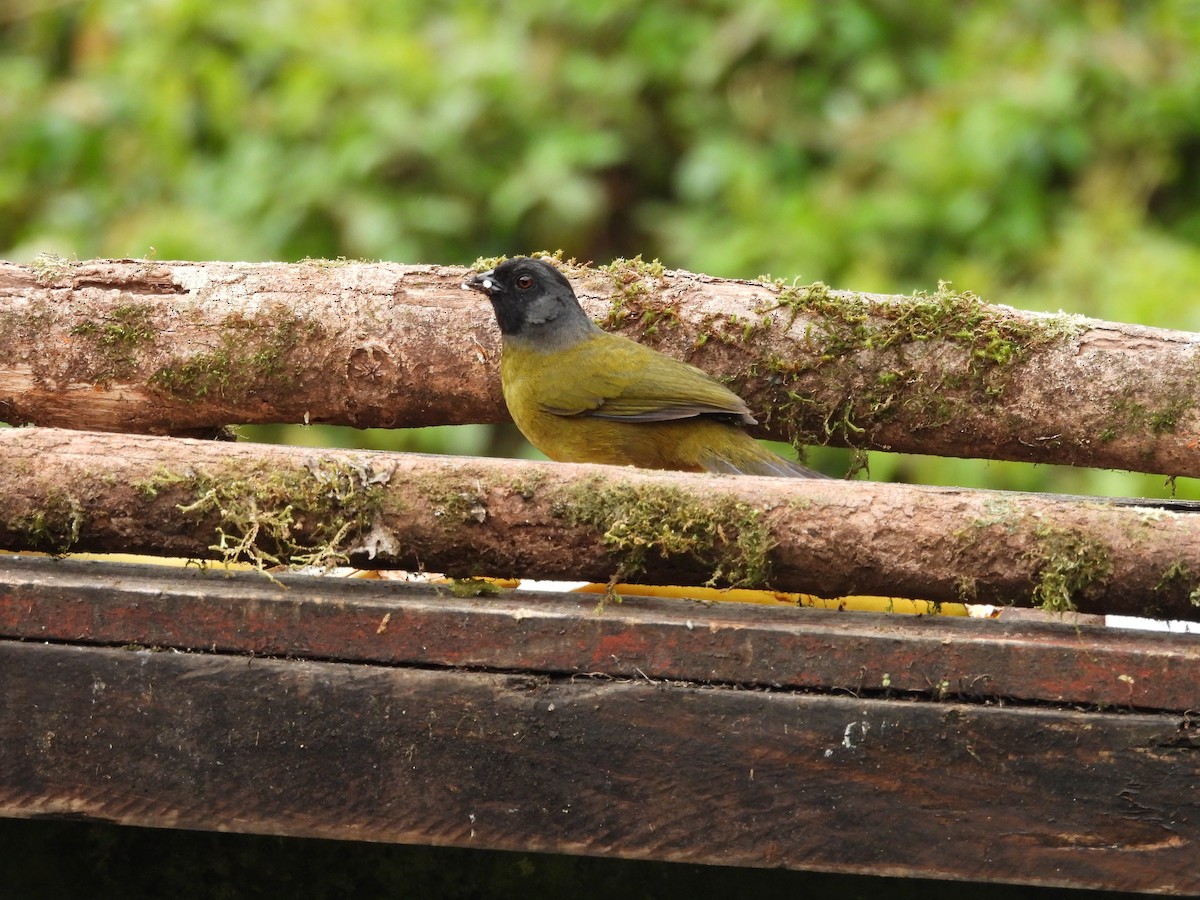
533,300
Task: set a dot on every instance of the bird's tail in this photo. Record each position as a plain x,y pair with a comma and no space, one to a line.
752,458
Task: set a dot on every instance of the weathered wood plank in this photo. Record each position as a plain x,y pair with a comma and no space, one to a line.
392,624
597,766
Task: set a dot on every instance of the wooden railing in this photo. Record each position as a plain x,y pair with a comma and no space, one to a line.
1042,753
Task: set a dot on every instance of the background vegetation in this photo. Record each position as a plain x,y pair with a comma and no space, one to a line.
1042,155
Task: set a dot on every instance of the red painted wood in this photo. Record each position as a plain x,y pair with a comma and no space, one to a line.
392,623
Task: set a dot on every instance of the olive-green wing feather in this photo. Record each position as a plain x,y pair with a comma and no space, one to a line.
623,380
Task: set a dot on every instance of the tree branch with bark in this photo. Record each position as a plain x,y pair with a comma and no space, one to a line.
181,347
64,491
144,346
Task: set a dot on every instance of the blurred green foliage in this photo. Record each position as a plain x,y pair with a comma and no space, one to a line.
1042,155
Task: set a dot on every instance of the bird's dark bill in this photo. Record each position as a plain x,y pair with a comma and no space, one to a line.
484,282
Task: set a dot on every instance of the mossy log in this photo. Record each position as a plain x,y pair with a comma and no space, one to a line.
180,347
63,491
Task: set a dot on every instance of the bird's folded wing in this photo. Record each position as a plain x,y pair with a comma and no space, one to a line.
636,384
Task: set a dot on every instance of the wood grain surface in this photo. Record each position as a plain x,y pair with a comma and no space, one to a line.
659,729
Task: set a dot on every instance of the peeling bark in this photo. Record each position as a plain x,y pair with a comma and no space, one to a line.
177,347
63,491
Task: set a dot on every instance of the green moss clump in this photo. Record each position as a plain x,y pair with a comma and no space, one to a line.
484,263
526,484
1179,578
52,527
49,268
249,356
1070,562
116,338
639,522
1130,416
321,262
1177,572
624,271
456,503
312,516
473,587
636,296
849,324
843,324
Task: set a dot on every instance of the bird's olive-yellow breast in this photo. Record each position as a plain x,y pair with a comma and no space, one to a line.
580,394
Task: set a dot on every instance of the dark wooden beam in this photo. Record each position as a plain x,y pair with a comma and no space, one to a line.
659,729
599,766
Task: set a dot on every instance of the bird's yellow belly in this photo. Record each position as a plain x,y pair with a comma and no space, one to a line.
682,445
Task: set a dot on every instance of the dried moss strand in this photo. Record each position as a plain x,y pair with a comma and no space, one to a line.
308,517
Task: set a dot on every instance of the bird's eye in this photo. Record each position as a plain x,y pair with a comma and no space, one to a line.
524,282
